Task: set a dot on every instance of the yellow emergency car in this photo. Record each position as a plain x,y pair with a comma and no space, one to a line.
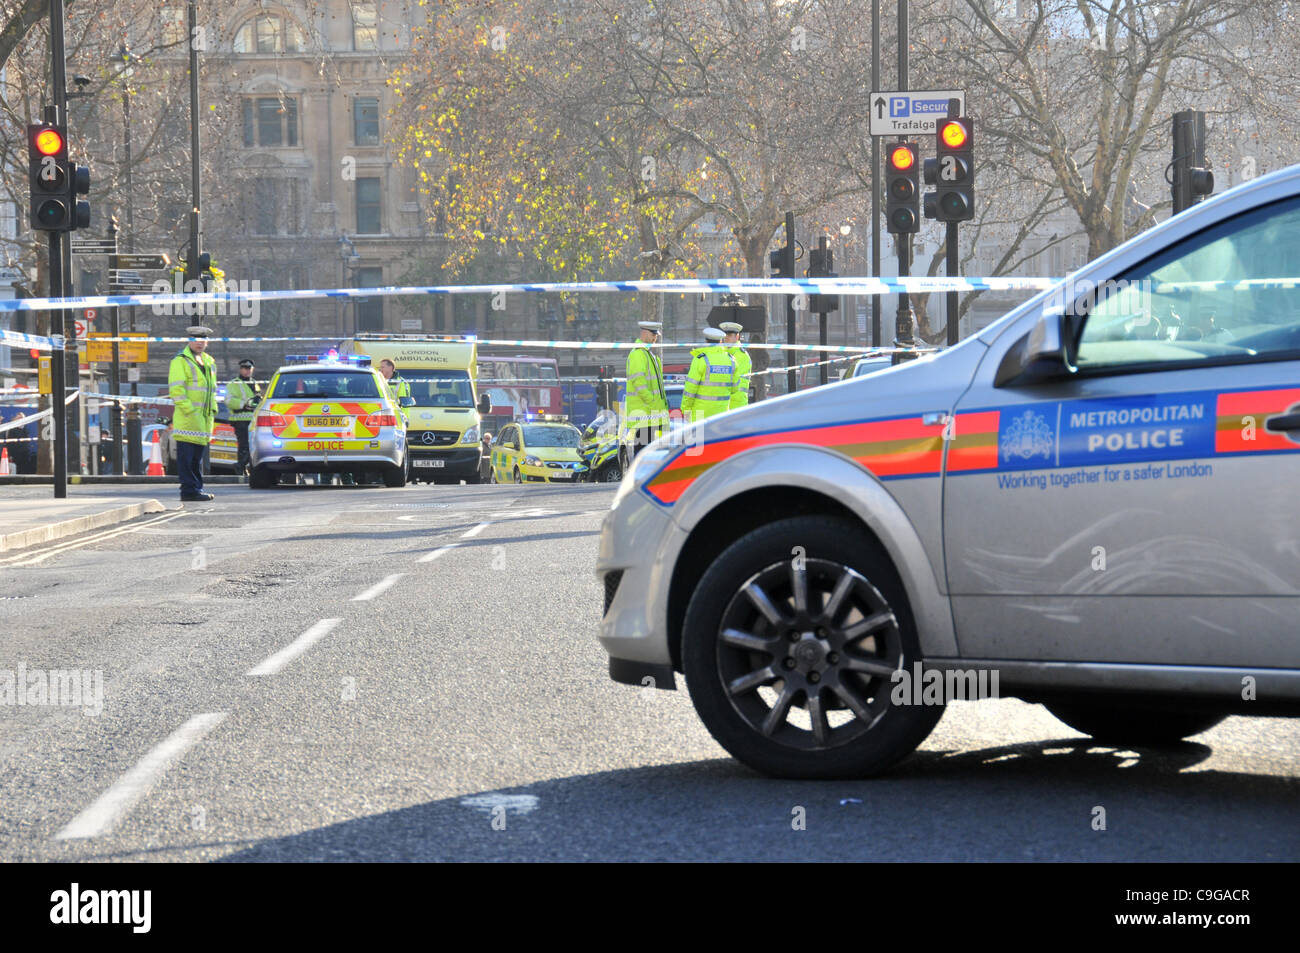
541,449
328,416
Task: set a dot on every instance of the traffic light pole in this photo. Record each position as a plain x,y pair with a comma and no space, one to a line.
791,374
58,113
903,322
952,273
196,233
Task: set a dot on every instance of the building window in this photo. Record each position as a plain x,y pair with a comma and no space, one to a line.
365,25
276,208
365,120
370,311
269,34
270,121
369,220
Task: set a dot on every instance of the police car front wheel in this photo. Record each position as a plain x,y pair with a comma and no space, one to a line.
788,647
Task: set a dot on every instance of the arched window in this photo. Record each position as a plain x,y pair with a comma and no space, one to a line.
269,33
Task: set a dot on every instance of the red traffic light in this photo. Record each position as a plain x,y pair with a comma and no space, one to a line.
48,142
902,158
953,134
35,353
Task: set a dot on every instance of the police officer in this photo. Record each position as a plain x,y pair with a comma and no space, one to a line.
731,330
243,394
645,406
398,387
192,386
711,381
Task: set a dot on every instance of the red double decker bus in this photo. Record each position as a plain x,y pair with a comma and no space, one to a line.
519,385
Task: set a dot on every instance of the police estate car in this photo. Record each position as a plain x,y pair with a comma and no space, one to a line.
329,416
1090,504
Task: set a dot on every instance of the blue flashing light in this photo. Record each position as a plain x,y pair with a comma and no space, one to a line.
277,443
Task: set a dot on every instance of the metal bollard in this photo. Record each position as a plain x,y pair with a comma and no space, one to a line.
134,448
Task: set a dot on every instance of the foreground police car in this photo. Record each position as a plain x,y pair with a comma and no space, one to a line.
332,416
1092,500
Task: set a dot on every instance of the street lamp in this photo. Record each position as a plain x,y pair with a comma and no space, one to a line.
349,256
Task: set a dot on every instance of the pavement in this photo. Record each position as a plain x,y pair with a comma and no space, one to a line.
29,517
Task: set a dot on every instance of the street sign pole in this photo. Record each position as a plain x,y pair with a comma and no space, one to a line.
875,177
903,321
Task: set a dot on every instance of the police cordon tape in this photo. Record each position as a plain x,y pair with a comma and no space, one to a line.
762,286
190,304
32,418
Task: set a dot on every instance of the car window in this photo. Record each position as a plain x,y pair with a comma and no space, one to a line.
552,436
1220,294
322,385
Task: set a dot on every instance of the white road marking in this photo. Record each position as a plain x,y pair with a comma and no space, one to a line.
27,559
513,803
295,648
431,556
475,531
379,588
114,803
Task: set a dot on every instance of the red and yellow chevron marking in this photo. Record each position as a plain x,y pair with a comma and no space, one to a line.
904,446
1234,433
292,411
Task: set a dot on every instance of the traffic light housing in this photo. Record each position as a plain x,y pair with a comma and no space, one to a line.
80,186
821,262
902,188
953,171
1192,179
776,261
50,177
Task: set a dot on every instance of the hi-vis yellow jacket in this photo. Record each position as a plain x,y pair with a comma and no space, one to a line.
192,386
710,383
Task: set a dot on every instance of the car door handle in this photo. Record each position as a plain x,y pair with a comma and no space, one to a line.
1282,423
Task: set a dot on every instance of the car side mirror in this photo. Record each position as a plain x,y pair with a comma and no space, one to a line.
484,404
1047,352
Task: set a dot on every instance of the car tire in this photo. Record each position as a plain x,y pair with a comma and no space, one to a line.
611,472
1109,720
765,721
259,478
395,477
519,478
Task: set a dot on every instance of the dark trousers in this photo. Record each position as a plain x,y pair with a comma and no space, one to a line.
241,438
189,467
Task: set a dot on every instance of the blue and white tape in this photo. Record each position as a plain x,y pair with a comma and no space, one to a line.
753,286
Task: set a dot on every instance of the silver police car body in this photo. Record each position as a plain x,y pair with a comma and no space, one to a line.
329,416
1090,503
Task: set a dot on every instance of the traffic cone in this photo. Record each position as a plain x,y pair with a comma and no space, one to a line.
155,459
5,468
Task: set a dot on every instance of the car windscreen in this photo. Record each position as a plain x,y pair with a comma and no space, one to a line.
675,397
436,388
551,437
326,385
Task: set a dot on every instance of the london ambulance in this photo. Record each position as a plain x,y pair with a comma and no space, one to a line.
444,423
